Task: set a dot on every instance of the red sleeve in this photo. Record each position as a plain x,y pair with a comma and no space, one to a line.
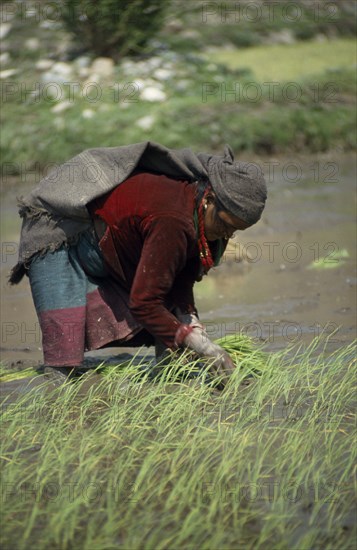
166,243
182,290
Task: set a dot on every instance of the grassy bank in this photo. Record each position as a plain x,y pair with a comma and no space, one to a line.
127,463
296,61
245,24
206,105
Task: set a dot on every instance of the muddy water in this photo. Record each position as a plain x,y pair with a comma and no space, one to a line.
286,280
297,279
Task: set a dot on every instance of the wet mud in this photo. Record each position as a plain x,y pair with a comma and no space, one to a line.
286,280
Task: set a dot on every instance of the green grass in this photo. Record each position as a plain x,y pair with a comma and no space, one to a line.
245,24
218,106
322,119
276,62
128,463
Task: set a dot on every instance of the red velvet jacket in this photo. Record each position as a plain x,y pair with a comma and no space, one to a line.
150,245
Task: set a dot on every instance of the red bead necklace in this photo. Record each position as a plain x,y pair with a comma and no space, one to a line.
205,252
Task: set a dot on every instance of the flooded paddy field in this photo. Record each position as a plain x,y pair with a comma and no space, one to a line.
118,461
287,279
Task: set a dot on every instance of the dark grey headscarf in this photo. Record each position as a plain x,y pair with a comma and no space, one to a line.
239,186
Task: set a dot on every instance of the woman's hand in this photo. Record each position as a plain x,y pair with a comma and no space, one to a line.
194,336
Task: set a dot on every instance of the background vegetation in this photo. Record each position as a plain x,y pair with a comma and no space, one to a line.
113,28
194,83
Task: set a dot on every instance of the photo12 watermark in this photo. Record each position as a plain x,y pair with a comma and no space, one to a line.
271,491
71,92
291,171
291,252
235,12
275,414
67,492
54,12
272,92
290,332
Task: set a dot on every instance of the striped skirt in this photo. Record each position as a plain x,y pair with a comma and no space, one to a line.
80,307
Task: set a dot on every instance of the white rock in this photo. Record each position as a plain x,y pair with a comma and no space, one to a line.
92,79
62,68
284,36
82,62
4,58
152,63
49,77
61,107
190,34
152,94
5,28
59,73
182,85
7,73
128,66
139,84
88,113
50,24
62,47
169,64
44,64
163,74
32,44
103,66
146,122
141,68
83,72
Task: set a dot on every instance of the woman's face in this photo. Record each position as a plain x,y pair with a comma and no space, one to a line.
220,223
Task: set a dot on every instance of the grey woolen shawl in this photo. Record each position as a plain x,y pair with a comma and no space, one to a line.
55,212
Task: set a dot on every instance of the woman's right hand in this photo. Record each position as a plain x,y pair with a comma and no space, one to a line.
196,339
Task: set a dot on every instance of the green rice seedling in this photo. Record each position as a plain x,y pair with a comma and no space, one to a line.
250,360
125,461
7,374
